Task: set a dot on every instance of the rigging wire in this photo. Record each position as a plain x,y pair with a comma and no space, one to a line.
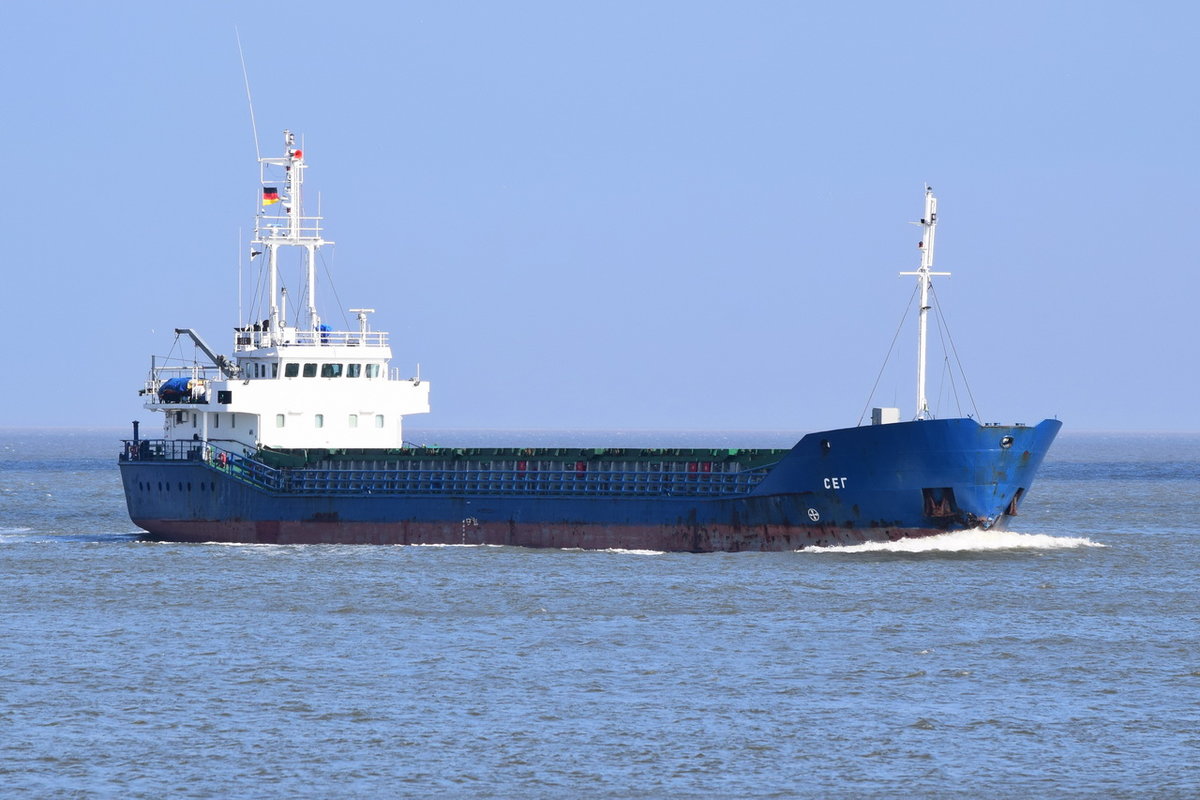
888,357
947,369
258,299
333,288
966,384
940,324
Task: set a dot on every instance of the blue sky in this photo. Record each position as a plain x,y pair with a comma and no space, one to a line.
621,215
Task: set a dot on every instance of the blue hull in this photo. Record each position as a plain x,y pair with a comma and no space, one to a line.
882,482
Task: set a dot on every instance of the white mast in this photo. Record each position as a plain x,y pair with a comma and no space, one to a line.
924,275
291,229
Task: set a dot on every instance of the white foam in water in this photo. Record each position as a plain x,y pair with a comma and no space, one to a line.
634,552
965,541
15,535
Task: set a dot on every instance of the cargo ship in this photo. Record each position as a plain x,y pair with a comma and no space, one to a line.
298,439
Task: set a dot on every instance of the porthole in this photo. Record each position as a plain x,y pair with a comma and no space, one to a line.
1006,442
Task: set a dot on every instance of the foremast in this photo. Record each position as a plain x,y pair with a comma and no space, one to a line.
924,276
290,229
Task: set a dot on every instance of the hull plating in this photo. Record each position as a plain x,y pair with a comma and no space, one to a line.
582,536
845,486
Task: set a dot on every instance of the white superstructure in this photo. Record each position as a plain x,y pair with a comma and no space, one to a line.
293,382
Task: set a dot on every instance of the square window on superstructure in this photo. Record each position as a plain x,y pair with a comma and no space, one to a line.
379,420
353,370
372,370
310,370
354,420
275,370
291,370
279,420
319,420
331,370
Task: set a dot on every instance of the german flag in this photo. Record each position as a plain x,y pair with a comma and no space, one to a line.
270,195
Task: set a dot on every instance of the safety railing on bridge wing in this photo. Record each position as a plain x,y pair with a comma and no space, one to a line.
249,339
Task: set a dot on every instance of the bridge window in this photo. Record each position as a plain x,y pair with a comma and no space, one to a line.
372,370
331,370
291,370
310,370
353,370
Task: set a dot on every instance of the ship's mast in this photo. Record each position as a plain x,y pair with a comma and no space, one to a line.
924,280
291,229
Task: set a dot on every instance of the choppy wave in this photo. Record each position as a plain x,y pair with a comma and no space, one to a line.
25,535
966,541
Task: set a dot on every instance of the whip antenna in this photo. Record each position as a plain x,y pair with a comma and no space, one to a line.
249,101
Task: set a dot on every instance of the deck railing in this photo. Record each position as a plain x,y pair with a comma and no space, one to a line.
253,339
461,479
210,454
500,482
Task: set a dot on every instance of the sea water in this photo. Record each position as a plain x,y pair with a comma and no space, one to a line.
1059,659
